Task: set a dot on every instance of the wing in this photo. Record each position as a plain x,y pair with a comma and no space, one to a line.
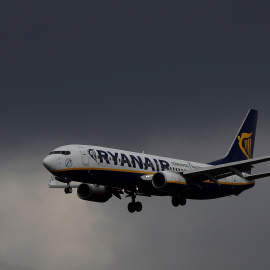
216,172
54,183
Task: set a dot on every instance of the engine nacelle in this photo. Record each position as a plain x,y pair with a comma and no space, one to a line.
93,193
165,180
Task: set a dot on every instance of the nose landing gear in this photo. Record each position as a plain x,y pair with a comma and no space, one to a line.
68,189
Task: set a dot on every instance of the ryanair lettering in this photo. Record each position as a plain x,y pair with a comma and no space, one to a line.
131,160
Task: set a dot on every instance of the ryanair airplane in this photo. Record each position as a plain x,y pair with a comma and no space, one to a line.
103,172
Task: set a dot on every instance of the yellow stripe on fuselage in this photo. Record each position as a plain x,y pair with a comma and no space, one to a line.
102,169
173,182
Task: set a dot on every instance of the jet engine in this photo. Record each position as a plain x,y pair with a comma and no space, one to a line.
93,193
166,180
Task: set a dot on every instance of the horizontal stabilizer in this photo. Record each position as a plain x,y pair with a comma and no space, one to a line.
257,176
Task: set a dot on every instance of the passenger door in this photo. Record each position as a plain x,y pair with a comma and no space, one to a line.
85,157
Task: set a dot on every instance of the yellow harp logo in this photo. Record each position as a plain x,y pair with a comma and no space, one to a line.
245,144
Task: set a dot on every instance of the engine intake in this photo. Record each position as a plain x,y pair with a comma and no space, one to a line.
93,193
165,180
159,180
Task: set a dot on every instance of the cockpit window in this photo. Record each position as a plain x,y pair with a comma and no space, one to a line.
66,153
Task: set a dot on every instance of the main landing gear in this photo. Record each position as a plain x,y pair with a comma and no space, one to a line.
178,200
134,206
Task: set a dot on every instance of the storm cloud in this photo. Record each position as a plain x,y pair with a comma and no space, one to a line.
171,78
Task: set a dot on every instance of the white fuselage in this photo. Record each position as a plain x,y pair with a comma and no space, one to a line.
123,169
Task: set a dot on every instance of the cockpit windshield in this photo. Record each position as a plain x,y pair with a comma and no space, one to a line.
66,153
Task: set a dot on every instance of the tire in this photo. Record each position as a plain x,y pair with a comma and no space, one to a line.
69,189
66,190
131,207
138,206
182,201
175,201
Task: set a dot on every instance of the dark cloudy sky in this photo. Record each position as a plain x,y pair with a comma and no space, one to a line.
172,78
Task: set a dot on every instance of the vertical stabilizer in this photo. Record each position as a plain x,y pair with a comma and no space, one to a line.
243,144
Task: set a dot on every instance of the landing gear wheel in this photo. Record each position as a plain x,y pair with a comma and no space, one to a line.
68,190
131,207
182,201
175,201
138,206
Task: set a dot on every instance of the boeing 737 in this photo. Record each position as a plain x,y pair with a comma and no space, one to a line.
102,172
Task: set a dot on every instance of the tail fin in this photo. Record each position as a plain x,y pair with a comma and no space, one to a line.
243,144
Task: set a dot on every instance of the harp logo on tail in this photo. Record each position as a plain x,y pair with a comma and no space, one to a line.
245,144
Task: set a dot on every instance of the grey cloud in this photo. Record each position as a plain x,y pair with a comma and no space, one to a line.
170,78
62,231
11,266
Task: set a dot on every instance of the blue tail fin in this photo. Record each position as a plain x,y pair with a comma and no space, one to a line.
243,144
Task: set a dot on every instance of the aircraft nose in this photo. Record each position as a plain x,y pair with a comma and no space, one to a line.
49,163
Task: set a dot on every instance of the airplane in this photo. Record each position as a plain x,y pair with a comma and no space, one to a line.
100,172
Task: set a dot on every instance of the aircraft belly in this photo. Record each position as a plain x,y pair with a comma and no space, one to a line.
103,177
212,191
124,179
